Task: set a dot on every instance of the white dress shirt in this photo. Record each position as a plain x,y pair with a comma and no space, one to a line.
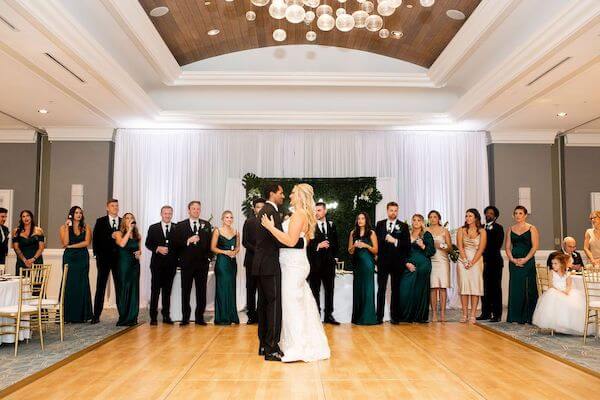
113,222
323,226
274,205
197,224
391,225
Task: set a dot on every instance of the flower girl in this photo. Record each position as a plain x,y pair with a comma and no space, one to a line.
561,307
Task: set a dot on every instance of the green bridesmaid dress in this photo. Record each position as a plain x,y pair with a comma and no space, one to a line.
28,246
363,287
225,277
413,298
128,294
522,286
78,299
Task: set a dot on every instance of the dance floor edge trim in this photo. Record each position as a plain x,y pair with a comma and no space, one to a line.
540,350
40,374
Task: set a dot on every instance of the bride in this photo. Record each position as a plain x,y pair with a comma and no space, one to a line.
302,334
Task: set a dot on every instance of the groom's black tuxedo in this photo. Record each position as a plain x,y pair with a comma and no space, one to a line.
391,261
266,267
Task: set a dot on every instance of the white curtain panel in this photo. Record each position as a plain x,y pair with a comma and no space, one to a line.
446,171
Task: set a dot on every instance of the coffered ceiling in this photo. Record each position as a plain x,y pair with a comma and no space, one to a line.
426,30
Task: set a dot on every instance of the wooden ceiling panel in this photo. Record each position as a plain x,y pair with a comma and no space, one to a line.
427,31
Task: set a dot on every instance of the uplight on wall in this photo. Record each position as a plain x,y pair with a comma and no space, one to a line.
525,198
77,195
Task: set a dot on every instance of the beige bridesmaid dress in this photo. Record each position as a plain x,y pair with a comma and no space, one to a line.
470,281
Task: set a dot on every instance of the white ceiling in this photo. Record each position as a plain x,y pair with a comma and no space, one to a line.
131,79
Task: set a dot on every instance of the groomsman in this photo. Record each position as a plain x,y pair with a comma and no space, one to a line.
163,264
4,234
106,252
191,239
491,303
249,242
393,237
322,252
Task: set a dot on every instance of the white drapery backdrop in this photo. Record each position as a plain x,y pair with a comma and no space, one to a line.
446,171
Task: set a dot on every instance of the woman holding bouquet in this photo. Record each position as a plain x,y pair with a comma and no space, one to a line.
440,265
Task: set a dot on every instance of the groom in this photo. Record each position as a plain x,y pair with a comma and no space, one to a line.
268,272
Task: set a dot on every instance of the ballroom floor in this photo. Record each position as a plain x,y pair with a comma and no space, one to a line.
434,361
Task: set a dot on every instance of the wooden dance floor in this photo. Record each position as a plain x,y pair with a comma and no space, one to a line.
434,361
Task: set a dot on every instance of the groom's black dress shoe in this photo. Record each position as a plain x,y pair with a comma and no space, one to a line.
252,321
200,322
482,317
167,321
331,320
261,351
495,319
273,356
183,323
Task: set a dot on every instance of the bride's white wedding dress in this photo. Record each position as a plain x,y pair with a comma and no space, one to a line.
302,334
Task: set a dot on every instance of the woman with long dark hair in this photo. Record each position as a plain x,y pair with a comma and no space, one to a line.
522,241
75,237
128,239
471,240
414,296
28,242
362,245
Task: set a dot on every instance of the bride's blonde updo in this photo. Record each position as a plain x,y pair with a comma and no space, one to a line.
306,204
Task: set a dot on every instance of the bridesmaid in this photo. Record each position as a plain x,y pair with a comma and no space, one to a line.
76,236
440,264
128,295
225,244
362,245
522,242
591,244
413,300
28,242
471,240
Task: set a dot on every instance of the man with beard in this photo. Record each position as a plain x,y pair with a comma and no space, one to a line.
491,307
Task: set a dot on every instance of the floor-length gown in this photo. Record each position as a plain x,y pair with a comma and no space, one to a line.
128,294
414,289
440,264
78,298
522,287
302,335
363,286
470,281
28,246
225,276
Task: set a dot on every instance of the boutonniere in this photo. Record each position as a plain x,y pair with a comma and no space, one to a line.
202,226
330,223
397,227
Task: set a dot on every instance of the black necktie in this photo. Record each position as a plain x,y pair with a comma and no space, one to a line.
114,225
167,234
390,228
195,228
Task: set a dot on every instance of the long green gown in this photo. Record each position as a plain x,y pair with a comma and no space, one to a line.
78,298
128,293
522,287
28,246
413,297
363,286
225,276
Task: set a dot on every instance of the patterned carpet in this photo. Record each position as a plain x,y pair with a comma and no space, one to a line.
567,347
31,359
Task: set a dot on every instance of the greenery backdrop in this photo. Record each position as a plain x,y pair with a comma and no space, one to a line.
345,198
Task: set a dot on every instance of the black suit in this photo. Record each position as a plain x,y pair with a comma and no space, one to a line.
391,261
249,243
194,260
491,303
322,265
3,244
106,251
162,267
267,270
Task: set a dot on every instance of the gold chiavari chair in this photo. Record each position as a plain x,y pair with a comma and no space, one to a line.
32,288
544,282
53,309
591,285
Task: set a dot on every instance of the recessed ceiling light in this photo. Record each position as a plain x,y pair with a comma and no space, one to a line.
427,3
397,34
213,32
43,111
207,3
159,11
561,114
455,14
409,6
